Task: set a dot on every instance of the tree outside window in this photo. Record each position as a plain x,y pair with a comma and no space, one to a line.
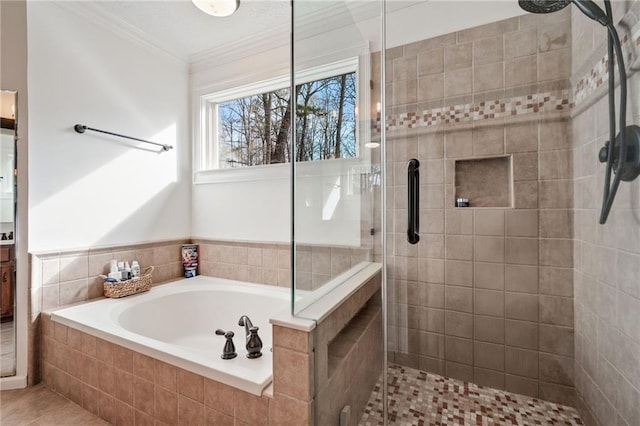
254,130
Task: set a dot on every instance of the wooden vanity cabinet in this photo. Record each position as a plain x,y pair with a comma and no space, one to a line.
6,277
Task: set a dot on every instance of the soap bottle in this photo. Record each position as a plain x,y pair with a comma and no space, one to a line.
135,269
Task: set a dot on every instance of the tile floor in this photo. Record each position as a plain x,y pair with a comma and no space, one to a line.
39,406
420,398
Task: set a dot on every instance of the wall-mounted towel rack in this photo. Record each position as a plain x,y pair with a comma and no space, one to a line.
81,128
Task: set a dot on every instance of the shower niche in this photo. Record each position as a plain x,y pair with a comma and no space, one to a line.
485,182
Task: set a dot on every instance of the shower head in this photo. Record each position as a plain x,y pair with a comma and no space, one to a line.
543,6
588,7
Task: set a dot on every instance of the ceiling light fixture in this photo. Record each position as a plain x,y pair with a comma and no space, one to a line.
217,7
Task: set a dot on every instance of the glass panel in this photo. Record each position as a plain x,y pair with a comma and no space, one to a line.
336,225
8,103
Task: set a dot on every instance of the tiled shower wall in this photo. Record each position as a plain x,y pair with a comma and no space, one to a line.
486,296
607,257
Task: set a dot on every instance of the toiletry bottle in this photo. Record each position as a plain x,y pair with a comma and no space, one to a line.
135,269
127,271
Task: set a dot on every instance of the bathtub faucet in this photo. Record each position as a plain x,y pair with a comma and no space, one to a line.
254,343
245,322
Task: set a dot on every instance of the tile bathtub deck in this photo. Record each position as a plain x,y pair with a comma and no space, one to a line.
420,398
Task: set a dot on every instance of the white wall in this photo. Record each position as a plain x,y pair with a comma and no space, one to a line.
91,190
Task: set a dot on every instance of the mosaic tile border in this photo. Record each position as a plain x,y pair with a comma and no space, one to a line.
555,101
486,110
420,398
599,74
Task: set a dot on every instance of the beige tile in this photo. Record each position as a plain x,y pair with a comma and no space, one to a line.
521,306
104,351
106,378
123,358
555,194
459,222
554,65
520,43
488,329
525,166
73,291
554,135
489,276
219,397
458,56
522,251
488,302
521,278
556,281
557,340
405,92
459,247
284,411
457,324
124,386
488,140
521,137
190,385
458,82
556,310
488,50
555,252
556,369
489,222
166,376
459,143
521,385
190,412
489,249
50,271
488,77
556,223
216,418
522,223
488,355
522,362
526,195
488,378
459,299
292,373
520,71
556,164
459,350
144,395
251,409
404,68
431,62
521,334
166,405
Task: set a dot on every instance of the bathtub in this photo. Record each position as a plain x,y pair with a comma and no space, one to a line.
176,323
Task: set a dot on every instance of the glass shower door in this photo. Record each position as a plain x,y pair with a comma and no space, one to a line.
335,154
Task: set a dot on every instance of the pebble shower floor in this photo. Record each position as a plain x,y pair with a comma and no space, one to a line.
420,398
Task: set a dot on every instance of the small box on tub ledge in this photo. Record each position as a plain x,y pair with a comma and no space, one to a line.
120,288
190,260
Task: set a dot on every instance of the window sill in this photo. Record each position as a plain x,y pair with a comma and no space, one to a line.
272,172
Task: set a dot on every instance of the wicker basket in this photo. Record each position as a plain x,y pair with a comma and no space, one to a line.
129,287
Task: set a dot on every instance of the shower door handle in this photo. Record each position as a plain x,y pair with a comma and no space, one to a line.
413,201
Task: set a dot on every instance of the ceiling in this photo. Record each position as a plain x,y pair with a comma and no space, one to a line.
185,32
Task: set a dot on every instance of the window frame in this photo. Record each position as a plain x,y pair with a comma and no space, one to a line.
206,169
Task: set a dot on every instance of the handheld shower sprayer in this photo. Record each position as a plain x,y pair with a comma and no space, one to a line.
621,152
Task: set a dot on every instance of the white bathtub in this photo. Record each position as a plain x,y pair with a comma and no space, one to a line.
176,323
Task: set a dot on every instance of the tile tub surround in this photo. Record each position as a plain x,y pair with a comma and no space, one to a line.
125,387
65,277
269,263
607,257
486,296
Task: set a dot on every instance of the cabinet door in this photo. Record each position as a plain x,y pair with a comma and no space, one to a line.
6,293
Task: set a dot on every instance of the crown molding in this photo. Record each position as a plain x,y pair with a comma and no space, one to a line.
116,25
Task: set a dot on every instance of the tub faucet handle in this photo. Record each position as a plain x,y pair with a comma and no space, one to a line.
229,351
254,344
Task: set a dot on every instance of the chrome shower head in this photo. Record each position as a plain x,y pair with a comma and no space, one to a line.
543,6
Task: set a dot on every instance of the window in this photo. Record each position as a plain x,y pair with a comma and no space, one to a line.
251,126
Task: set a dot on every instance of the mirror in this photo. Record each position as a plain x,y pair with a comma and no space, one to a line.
8,137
